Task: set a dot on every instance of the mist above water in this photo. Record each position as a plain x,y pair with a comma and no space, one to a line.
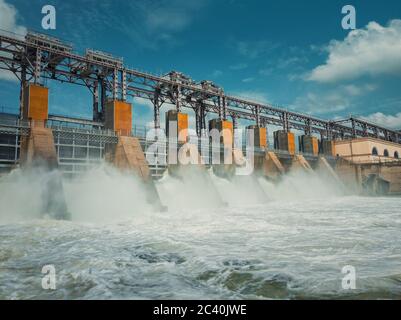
104,194
21,195
300,184
188,188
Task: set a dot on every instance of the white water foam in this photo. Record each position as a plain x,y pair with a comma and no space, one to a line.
292,246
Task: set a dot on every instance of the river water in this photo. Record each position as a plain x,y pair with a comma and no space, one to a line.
286,241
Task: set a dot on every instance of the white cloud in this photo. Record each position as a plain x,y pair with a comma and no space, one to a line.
8,19
173,15
388,121
373,50
354,90
247,80
150,25
342,97
255,96
143,102
290,62
255,49
8,76
240,66
266,71
217,73
322,103
8,23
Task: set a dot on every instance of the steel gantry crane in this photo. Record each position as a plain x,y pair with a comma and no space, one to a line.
37,57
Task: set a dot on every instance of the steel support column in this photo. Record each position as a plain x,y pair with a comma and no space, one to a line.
115,84
286,126
38,66
124,85
22,87
203,120
178,98
103,97
376,132
220,107
96,101
308,129
329,132
353,128
224,106
257,115
156,110
365,130
198,119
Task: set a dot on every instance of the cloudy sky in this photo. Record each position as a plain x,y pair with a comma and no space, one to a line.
291,53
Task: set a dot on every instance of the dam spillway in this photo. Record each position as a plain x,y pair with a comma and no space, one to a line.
33,137
163,212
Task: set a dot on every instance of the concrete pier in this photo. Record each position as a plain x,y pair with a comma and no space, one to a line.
118,117
325,167
328,148
273,168
309,145
225,129
299,162
259,136
180,129
188,157
284,141
38,150
222,135
39,145
128,156
350,174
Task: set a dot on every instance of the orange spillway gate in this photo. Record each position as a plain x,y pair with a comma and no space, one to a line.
39,145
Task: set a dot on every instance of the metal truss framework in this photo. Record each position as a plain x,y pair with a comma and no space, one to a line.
39,57
77,149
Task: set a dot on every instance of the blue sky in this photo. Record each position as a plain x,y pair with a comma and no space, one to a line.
291,53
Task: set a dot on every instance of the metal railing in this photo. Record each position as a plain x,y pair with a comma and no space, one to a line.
79,148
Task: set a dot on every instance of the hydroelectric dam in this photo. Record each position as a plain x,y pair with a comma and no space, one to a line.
258,202
361,156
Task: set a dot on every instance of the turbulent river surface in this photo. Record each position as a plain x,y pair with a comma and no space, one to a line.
286,241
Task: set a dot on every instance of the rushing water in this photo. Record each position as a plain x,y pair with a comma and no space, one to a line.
292,244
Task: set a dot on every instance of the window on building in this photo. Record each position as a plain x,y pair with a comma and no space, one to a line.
396,155
374,152
386,154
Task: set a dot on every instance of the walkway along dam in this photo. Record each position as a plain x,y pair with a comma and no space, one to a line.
361,155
